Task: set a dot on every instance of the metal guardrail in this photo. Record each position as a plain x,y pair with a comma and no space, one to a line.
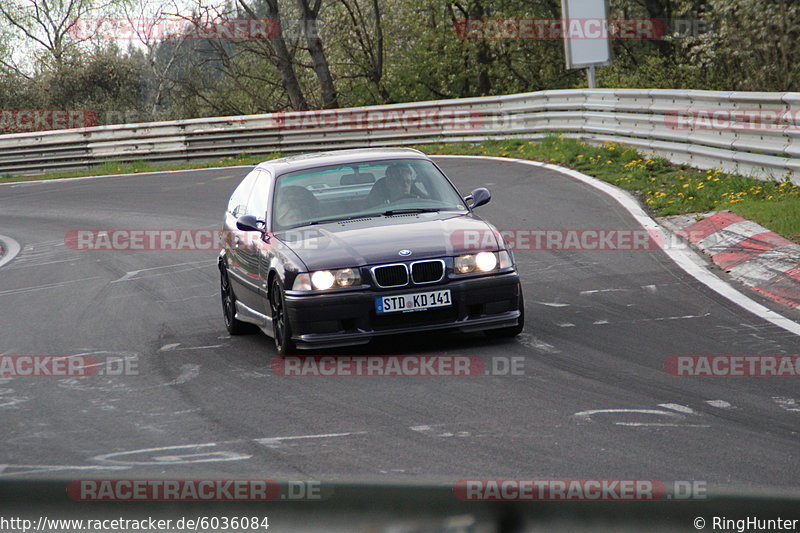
755,134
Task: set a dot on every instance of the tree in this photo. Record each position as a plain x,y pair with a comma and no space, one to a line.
309,17
50,23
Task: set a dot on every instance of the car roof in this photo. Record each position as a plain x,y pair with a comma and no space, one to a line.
337,157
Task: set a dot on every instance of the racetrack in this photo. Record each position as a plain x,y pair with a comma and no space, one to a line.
600,325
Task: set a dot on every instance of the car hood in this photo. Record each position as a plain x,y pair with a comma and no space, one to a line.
379,240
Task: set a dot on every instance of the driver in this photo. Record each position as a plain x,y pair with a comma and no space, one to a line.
398,182
396,185
292,208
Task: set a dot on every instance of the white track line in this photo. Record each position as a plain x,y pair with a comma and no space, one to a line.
683,258
11,247
149,173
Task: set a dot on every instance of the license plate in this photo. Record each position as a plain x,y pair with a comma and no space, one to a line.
413,302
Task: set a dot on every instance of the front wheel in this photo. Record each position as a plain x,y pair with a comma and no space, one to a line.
281,329
234,326
513,331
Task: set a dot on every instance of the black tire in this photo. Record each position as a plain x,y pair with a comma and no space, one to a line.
234,326
281,328
513,331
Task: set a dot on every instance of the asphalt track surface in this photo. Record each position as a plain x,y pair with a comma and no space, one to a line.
599,328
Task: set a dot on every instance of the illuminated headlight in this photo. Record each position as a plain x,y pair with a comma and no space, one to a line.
482,262
486,261
322,280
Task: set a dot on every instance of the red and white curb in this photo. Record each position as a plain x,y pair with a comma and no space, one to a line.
750,253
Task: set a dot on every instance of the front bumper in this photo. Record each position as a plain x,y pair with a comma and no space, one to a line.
348,318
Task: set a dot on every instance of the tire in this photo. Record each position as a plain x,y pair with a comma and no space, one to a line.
234,326
513,331
281,328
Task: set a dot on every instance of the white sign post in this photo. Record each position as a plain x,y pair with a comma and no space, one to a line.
586,35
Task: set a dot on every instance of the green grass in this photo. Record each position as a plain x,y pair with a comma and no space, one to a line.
665,189
135,167
785,221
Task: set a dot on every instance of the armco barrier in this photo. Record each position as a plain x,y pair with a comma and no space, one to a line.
648,119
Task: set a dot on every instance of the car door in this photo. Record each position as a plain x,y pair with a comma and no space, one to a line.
254,245
236,240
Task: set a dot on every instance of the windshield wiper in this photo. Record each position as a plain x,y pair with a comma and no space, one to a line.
411,211
339,219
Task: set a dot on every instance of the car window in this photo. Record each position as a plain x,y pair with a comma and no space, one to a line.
237,205
346,191
259,196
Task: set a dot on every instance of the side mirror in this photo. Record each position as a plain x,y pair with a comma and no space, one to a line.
249,223
479,197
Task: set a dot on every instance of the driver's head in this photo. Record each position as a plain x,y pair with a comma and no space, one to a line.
398,179
291,209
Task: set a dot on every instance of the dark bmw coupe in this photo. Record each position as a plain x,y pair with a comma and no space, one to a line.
336,248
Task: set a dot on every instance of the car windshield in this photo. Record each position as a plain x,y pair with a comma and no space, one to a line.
376,188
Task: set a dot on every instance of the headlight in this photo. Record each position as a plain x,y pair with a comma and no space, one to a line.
346,277
322,280
482,262
464,264
486,261
506,260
